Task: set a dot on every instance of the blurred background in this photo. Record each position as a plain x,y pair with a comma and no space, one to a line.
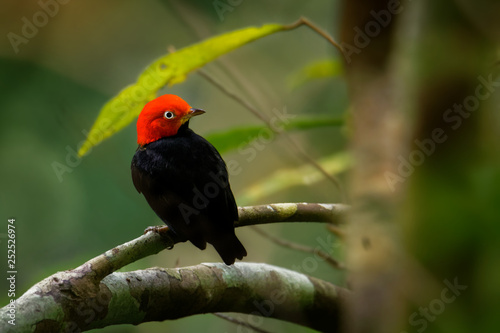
54,81
59,64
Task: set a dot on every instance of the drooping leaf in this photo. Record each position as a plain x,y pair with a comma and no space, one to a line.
236,137
283,179
316,70
170,69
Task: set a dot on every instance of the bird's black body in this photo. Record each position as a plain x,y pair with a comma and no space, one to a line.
185,181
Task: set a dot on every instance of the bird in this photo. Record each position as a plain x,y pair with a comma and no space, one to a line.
184,179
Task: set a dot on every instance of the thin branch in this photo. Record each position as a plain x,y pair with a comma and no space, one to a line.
237,98
291,212
276,130
322,33
339,233
154,242
262,117
299,247
240,322
316,165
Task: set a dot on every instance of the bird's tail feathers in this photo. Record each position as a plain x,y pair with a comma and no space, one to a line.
229,248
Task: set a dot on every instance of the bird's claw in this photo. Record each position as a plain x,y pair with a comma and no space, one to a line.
159,229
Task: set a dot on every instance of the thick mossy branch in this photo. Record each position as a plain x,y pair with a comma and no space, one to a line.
67,301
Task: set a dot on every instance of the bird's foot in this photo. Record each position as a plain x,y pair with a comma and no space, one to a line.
164,233
159,229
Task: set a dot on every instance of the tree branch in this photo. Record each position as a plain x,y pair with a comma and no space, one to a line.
299,247
291,212
66,301
92,296
265,119
152,242
240,323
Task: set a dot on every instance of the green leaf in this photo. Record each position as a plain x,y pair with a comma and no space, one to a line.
283,179
170,69
316,70
236,137
233,138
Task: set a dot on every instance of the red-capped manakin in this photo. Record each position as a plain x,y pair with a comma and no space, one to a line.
184,179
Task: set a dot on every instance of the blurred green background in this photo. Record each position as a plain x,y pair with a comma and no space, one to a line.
52,89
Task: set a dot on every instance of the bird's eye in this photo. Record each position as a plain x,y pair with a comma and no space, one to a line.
169,114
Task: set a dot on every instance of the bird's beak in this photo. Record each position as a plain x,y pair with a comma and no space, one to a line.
194,112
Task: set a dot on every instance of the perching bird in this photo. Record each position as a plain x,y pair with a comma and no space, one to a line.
184,178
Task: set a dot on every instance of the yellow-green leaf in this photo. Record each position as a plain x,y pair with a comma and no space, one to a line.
283,179
316,70
170,69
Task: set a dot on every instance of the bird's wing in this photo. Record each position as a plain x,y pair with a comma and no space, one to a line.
187,188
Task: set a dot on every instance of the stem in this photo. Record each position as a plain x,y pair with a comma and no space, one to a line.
299,247
322,33
277,131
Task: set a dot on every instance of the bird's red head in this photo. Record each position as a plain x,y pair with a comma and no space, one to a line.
163,117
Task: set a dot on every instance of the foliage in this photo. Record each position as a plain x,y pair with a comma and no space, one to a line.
168,70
